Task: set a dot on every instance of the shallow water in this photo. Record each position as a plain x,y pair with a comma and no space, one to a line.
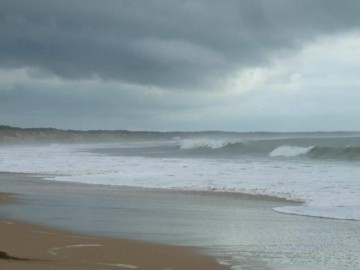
321,169
243,232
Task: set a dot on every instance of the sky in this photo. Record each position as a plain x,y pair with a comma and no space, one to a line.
244,65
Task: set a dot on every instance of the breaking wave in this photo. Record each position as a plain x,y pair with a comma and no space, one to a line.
343,153
204,143
208,147
290,151
347,153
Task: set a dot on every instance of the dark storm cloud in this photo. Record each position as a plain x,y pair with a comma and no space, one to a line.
185,44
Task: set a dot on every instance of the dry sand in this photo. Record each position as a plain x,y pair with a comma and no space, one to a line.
32,247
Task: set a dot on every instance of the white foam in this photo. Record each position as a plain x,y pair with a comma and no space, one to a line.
121,265
200,143
290,151
53,251
330,189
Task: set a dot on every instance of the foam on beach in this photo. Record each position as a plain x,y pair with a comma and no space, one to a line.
329,188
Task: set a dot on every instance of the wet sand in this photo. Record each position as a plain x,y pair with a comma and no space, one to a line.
27,246
241,230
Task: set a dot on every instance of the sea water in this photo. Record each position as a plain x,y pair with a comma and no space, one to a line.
322,170
239,230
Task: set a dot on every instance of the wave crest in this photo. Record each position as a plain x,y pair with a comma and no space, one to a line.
290,151
203,143
318,152
343,153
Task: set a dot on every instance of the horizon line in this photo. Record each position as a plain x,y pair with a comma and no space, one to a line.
171,131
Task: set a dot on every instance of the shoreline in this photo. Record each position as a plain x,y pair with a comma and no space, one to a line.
30,246
218,192
214,230
174,255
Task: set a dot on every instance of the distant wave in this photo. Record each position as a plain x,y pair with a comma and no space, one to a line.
290,151
209,147
318,152
343,153
213,147
203,143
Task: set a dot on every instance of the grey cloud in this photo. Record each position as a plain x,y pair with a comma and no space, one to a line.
171,44
85,105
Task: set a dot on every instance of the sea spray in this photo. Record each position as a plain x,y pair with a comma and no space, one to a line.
290,151
206,143
322,171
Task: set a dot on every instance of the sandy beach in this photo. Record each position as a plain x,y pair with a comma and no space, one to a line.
81,226
28,246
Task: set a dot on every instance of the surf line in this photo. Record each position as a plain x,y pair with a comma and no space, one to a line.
53,251
121,265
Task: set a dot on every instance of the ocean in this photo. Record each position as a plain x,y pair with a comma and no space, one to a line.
320,169
143,188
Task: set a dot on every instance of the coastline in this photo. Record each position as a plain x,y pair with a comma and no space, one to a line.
29,246
202,229
84,249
